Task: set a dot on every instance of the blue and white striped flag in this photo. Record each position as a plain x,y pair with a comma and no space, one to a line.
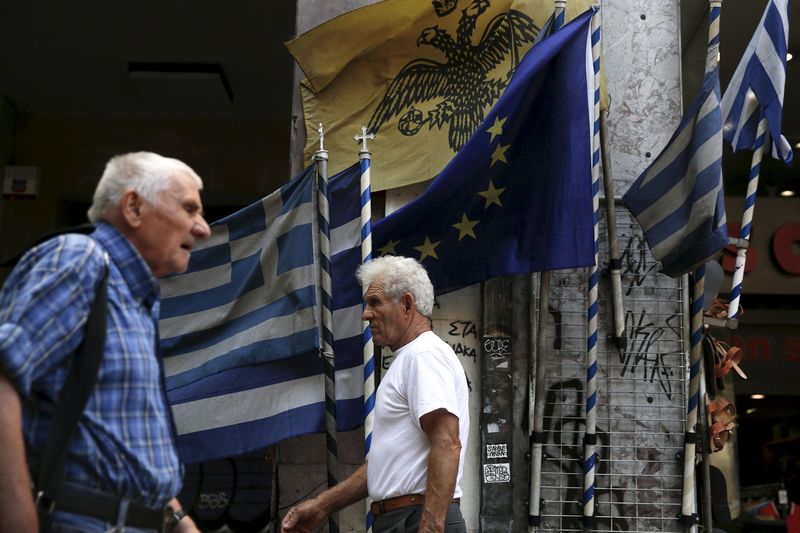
679,199
757,85
240,331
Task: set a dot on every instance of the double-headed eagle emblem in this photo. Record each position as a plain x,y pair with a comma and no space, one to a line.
461,85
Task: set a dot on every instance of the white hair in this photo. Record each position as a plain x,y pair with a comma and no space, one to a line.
399,275
146,173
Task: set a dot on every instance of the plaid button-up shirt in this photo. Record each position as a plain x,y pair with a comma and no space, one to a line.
124,444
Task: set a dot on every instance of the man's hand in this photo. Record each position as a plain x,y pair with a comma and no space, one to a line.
307,516
186,525
303,518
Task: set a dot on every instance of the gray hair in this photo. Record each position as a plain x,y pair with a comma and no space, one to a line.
146,173
399,275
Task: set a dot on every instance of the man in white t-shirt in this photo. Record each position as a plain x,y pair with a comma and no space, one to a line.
421,415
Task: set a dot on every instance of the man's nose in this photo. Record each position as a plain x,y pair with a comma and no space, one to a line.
367,314
201,229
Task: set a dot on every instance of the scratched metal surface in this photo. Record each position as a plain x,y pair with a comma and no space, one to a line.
641,397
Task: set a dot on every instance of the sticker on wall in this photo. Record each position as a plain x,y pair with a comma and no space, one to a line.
496,451
497,473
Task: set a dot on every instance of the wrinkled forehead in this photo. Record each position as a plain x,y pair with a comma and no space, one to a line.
375,288
183,186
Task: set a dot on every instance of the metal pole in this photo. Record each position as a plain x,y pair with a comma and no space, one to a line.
321,160
537,436
707,517
614,264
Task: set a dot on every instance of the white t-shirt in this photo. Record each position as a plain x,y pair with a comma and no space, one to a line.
425,376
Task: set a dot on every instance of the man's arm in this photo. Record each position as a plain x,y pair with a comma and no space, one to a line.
308,515
17,512
441,427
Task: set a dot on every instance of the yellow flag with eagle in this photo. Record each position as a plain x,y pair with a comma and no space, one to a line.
420,75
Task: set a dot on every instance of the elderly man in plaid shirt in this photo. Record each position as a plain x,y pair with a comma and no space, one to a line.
122,468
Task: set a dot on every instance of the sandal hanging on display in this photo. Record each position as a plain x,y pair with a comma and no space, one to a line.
721,422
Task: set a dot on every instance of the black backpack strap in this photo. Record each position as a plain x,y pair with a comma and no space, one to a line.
72,399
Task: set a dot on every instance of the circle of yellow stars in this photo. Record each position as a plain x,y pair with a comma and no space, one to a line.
466,227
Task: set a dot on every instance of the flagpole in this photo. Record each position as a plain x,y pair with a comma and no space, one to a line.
689,503
614,263
365,158
321,160
707,517
537,435
747,218
559,14
590,438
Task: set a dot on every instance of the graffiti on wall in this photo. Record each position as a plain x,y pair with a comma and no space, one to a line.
642,357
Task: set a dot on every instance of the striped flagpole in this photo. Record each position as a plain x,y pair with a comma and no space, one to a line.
365,158
559,14
689,502
590,438
747,217
321,159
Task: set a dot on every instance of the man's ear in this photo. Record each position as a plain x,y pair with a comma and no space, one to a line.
131,208
409,302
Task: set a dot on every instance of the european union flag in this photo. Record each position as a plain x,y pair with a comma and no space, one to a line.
517,197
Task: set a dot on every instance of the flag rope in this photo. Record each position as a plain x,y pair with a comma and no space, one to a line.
590,438
365,158
328,360
747,218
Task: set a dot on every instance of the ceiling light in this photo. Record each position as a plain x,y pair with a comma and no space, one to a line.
757,396
789,56
787,193
181,84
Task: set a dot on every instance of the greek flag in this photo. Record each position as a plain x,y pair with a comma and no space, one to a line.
757,86
679,199
240,331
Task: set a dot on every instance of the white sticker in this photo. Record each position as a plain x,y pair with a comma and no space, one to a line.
497,473
496,451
